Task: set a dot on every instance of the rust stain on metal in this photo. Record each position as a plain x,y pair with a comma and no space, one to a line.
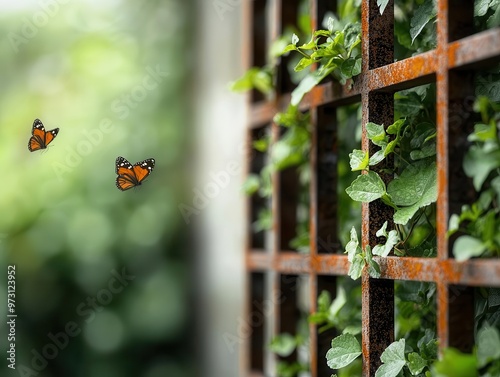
414,71
465,51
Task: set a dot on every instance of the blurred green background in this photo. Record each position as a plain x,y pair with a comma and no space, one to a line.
112,76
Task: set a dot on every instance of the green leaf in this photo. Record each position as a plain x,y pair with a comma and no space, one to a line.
483,132
495,185
416,363
494,20
393,358
481,7
356,267
381,5
301,242
283,344
373,267
285,369
455,364
390,147
394,128
307,83
358,160
322,33
413,183
392,240
466,247
488,345
261,145
264,220
352,248
309,45
382,232
317,318
423,141
337,304
284,155
357,67
251,185
425,13
415,188
377,157
376,133
255,77
428,346
324,301
348,67
303,63
366,188
345,349
453,224
478,164
290,47
331,24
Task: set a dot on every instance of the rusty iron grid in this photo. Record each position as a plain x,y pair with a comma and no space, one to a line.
381,77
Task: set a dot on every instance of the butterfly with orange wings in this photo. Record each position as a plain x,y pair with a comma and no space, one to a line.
131,176
41,138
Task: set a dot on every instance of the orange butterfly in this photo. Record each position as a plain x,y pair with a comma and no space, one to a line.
130,176
41,138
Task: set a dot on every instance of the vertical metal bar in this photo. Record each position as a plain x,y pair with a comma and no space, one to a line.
313,230
377,294
274,323
313,210
442,166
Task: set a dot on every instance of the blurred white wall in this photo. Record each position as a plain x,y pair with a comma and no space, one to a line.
220,121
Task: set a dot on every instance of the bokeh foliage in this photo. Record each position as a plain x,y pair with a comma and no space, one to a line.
63,222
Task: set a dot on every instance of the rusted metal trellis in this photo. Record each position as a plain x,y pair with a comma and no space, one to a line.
272,269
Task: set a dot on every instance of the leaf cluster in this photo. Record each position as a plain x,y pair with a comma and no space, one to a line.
284,345
396,358
484,361
337,52
479,223
416,185
342,313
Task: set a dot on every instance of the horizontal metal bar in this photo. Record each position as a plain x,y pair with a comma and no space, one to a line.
403,74
475,272
417,70
480,47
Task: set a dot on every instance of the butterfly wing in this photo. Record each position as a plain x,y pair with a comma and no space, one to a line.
143,169
37,140
130,176
50,135
40,138
126,177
